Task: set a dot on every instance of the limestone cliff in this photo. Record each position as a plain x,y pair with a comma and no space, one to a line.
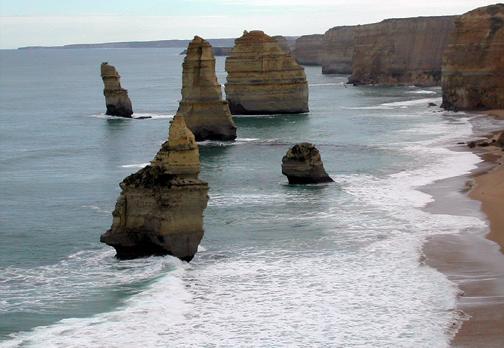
473,66
206,114
406,51
337,50
303,165
116,98
308,49
283,42
263,78
160,209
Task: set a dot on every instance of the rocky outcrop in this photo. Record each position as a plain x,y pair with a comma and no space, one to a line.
308,49
337,50
160,209
473,66
116,98
405,51
302,165
217,51
263,78
206,114
283,42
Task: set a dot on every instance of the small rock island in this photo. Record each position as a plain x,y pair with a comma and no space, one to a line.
303,165
206,113
116,98
160,209
263,78
473,66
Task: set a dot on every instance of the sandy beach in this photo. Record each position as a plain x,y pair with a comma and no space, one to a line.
475,262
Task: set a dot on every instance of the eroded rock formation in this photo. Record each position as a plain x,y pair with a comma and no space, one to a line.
116,98
338,49
283,42
160,209
303,165
206,114
263,78
473,67
406,51
308,49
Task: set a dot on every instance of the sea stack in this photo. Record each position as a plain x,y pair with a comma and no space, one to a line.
263,78
116,98
406,51
283,42
302,165
206,114
160,209
473,66
308,49
337,50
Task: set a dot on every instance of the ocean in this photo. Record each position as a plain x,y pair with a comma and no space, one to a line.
333,265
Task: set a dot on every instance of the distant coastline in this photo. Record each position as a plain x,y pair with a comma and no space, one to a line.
222,42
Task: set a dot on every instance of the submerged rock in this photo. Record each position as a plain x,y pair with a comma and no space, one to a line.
337,50
404,51
206,114
160,209
473,66
302,165
116,98
263,78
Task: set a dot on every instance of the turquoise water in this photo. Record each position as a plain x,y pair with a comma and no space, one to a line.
280,265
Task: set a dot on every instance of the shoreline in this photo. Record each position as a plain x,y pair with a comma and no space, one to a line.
474,260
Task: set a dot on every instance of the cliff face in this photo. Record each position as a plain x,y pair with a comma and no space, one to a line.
337,50
283,42
206,114
404,51
116,98
263,78
160,209
308,49
473,66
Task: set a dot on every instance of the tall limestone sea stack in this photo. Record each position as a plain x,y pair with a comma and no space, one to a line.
160,209
337,50
308,49
263,78
406,51
206,114
116,98
473,66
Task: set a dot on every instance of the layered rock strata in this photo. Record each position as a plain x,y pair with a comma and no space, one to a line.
263,78
308,49
406,51
116,98
303,165
206,114
473,66
160,209
337,50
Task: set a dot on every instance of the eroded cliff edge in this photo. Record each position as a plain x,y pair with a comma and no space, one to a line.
263,78
205,112
308,49
473,66
337,50
160,209
405,51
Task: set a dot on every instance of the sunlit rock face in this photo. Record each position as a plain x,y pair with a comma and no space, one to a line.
116,98
406,51
206,114
473,66
160,208
308,49
263,78
337,50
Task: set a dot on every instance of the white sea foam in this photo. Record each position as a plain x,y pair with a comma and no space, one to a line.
413,102
135,165
327,84
135,116
422,92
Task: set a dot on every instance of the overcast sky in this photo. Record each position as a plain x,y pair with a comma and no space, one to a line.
59,22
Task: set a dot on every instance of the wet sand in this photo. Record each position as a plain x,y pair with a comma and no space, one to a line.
474,260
